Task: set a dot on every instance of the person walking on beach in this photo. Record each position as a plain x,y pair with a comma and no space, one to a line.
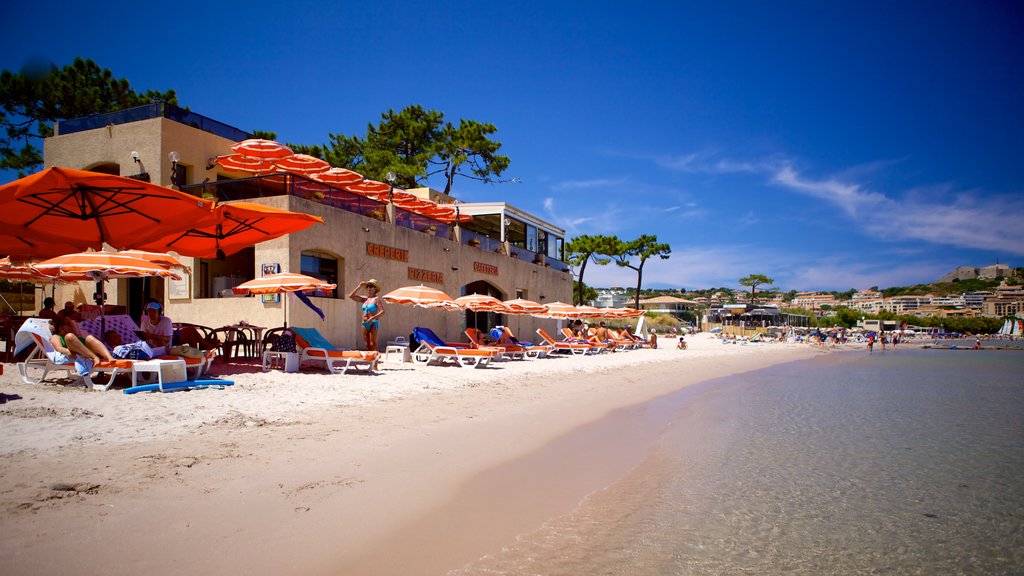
373,308
871,343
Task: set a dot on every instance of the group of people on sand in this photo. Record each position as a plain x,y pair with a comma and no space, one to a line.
602,334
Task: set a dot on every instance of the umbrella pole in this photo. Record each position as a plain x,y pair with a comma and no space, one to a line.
284,296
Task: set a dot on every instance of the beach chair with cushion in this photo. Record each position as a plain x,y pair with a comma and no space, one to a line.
569,347
36,333
434,350
508,351
531,350
313,347
568,336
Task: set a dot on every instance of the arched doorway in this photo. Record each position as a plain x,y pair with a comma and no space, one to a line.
483,321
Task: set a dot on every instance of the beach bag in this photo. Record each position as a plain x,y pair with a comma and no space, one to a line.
283,343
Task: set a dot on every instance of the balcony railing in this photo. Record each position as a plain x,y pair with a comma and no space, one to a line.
477,240
421,223
154,110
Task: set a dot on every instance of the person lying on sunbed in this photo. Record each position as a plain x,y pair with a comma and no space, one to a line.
69,347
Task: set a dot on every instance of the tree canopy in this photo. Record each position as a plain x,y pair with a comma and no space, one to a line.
585,248
755,280
415,144
643,248
40,94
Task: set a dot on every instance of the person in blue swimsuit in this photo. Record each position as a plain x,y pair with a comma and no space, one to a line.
373,308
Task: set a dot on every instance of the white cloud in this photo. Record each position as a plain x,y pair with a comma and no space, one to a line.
969,220
588,184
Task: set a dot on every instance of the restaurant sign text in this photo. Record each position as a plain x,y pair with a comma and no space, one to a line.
387,252
485,268
419,275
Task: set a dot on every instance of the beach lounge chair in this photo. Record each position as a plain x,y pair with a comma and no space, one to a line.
570,347
618,344
510,351
35,333
434,350
313,347
531,350
568,336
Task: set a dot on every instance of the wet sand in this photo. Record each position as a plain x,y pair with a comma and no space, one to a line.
416,470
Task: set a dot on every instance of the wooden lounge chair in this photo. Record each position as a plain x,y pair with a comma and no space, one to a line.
434,350
32,334
510,351
570,347
313,347
531,350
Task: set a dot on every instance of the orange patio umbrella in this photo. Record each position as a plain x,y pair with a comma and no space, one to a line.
262,148
232,227
423,296
22,249
338,176
281,283
84,209
241,163
303,164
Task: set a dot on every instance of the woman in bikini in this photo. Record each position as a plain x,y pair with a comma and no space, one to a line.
373,308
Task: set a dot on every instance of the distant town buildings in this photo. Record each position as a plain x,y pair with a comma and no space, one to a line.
1005,300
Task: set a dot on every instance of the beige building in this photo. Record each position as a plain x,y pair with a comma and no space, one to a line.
503,251
667,305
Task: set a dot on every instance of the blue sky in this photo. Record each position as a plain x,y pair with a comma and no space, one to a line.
828,145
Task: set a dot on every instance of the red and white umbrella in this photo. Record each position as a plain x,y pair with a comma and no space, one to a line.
423,296
261,148
338,176
283,282
367,186
481,303
241,163
302,164
101,266
162,258
560,311
522,306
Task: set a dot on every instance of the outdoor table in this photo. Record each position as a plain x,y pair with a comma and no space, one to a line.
253,333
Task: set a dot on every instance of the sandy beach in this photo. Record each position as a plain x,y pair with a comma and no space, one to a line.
414,470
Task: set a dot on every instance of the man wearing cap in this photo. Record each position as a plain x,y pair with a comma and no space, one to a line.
158,328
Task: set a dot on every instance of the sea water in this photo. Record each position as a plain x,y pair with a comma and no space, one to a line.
898,463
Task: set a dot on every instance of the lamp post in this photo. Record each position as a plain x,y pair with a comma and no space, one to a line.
174,157
391,186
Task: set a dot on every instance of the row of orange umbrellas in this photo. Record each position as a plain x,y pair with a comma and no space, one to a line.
262,156
60,211
429,297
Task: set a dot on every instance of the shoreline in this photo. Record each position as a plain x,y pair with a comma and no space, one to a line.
307,473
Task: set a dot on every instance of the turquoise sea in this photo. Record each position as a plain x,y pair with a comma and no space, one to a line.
897,463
